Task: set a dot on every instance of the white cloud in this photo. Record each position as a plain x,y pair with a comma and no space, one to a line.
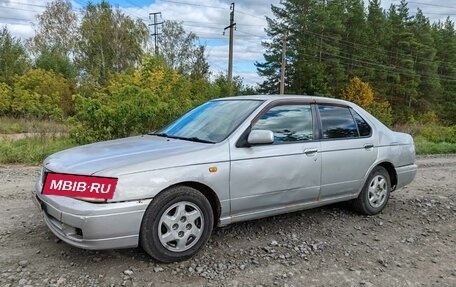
207,19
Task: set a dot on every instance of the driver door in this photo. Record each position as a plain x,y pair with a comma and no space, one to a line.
285,173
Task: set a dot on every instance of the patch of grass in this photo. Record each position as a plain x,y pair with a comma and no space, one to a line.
13,126
424,146
31,150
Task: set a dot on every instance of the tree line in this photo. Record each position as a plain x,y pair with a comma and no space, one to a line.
408,61
98,73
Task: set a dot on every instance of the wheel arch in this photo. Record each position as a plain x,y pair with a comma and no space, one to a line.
208,192
391,171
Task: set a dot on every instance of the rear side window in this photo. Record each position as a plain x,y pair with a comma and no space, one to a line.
363,127
289,123
337,122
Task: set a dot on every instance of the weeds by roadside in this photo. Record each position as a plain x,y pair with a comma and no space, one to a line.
32,150
10,125
424,146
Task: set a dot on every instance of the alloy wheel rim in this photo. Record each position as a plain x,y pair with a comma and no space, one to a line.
378,190
180,226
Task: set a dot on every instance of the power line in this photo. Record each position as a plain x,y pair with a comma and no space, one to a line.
254,16
214,23
17,19
429,4
22,3
354,45
386,67
193,4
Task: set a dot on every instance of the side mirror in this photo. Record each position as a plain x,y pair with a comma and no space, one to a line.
260,137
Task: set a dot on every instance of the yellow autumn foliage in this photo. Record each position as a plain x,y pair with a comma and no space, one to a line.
358,92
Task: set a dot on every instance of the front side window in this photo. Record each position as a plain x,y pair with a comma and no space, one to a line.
289,123
337,122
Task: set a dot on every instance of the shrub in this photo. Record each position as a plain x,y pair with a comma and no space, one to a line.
5,99
40,94
437,134
362,94
130,110
382,111
31,150
358,92
134,103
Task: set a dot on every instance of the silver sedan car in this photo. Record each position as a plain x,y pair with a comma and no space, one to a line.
228,160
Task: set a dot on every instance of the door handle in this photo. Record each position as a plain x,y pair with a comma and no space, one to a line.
310,151
368,146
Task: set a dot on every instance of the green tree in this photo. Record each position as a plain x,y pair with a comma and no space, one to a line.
13,57
180,51
361,93
356,37
445,40
224,88
53,60
40,94
5,99
429,88
377,34
56,29
403,81
110,42
292,19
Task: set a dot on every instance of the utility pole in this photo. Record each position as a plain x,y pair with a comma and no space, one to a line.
155,33
284,64
232,26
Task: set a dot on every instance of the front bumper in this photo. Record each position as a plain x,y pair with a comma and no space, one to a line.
92,225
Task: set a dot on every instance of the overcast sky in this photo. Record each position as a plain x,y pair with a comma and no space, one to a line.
207,20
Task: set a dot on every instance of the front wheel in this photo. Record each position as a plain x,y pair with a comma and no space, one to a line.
375,193
176,224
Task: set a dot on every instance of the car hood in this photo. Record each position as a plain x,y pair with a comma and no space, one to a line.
122,153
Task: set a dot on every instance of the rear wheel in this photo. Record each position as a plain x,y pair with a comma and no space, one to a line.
176,224
375,193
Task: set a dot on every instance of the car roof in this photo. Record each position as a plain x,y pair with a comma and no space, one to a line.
288,97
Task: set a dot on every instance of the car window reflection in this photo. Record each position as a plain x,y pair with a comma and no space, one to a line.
289,123
337,122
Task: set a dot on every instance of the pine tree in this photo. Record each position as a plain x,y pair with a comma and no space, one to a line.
445,39
402,79
425,66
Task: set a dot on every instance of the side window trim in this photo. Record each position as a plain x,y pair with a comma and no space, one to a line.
354,120
317,123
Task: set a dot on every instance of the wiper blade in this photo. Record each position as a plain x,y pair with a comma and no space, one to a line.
193,139
196,139
160,135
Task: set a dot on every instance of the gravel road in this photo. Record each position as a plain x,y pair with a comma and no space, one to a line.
412,243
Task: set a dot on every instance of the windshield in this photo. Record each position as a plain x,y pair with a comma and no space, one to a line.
211,122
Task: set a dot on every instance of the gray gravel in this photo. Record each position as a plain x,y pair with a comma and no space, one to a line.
412,243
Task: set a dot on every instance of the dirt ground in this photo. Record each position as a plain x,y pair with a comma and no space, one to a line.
412,243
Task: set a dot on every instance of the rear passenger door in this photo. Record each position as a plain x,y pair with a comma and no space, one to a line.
347,150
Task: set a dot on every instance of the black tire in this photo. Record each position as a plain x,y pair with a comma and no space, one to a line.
362,204
149,233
